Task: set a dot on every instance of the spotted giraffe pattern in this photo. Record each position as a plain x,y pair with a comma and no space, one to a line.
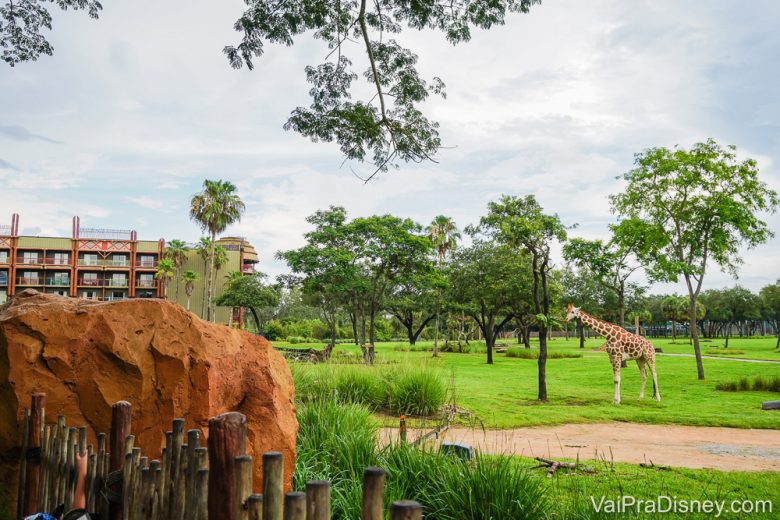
621,345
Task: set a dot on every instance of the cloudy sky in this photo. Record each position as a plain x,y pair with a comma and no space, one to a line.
133,111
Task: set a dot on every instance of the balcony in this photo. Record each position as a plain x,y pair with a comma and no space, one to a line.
113,298
146,284
91,261
4,282
116,262
248,269
4,259
57,282
116,282
56,261
148,264
90,282
30,281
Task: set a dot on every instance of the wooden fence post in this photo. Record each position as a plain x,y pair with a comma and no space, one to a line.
273,485
255,507
373,494
318,500
33,473
405,510
21,503
202,495
226,441
295,506
120,429
243,470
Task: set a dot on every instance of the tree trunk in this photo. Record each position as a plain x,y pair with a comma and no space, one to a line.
622,306
209,310
436,331
727,333
695,335
582,334
542,363
188,302
353,319
674,329
527,336
257,320
410,333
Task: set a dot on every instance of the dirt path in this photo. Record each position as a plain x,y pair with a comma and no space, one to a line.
668,445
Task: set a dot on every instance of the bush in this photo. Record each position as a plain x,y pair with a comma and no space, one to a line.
757,384
724,352
525,353
416,391
274,330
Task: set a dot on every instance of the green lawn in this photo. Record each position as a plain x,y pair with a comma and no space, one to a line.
572,492
503,395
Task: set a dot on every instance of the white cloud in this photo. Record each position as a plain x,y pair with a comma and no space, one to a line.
146,202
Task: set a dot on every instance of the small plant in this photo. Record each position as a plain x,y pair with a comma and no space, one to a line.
416,391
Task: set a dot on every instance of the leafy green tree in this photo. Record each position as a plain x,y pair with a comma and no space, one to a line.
770,300
686,208
445,235
521,223
165,273
387,126
672,307
483,280
214,209
177,253
738,304
414,300
189,278
251,292
22,23
641,316
582,289
203,248
609,263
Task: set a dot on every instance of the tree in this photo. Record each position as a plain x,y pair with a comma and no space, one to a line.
738,303
770,300
521,223
214,209
609,263
413,301
389,126
582,289
189,278
22,23
165,273
483,280
685,208
177,253
671,307
250,292
445,235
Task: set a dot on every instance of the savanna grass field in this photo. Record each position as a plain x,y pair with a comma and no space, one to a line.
344,404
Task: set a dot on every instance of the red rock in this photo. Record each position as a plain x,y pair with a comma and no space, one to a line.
165,361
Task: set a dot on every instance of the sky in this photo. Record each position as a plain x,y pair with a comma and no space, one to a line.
133,111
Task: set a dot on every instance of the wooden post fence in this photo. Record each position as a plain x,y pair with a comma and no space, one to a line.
187,482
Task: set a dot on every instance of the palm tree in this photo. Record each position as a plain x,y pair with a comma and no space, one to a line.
444,234
189,278
177,252
165,272
203,248
215,208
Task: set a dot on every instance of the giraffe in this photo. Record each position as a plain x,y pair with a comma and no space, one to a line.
621,345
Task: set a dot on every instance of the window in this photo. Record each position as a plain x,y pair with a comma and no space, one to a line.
30,257
29,278
117,295
3,297
146,280
118,280
3,257
60,279
90,295
61,292
3,278
60,259
89,259
119,260
89,279
146,261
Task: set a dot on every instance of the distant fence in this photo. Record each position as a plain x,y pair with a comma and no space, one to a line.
190,482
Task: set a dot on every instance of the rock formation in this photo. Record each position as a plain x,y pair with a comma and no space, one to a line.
164,360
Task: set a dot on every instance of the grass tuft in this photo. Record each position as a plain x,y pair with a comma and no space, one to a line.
755,384
524,353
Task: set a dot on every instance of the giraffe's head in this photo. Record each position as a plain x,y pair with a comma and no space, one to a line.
571,312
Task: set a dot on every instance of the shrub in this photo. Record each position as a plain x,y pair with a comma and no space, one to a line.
274,330
757,384
416,391
294,340
724,352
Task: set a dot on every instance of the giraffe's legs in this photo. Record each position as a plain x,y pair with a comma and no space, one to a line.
615,359
640,362
656,390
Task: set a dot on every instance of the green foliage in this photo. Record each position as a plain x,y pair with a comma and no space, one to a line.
274,330
22,23
338,441
418,391
755,384
388,125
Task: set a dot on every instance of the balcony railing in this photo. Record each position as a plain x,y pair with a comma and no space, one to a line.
117,262
34,260
116,282
29,281
4,259
147,284
56,261
57,282
90,261
3,282
113,298
146,263
90,282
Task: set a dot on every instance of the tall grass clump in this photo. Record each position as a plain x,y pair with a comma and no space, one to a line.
756,384
416,391
337,441
524,353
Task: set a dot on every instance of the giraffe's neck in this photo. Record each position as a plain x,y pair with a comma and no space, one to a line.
600,326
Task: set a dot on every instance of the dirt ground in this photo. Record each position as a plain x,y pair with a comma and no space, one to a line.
667,445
